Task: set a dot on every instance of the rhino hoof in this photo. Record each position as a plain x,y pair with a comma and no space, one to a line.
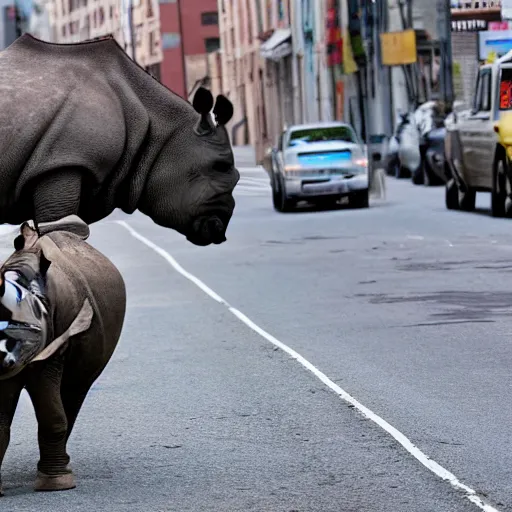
48,483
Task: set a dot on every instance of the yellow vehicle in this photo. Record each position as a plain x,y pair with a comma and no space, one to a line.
478,142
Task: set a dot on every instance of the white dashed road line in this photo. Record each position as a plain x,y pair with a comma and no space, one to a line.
413,450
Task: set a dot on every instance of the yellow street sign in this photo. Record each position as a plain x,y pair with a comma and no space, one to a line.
398,48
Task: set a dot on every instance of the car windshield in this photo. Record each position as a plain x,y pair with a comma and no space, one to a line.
324,134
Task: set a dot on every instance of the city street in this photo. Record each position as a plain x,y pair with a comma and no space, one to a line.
403,308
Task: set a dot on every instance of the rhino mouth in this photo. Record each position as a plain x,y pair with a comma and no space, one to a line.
208,230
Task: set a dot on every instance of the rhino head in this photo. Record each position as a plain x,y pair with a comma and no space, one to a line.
190,188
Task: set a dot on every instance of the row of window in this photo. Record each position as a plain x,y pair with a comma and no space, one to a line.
172,40
97,18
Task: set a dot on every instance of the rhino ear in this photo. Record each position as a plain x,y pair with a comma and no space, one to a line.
203,103
223,110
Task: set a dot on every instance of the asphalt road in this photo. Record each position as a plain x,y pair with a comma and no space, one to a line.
405,306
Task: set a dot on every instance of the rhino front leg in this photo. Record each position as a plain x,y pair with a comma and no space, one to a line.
10,391
53,473
57,195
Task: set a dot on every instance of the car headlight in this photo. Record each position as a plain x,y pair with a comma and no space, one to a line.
291,168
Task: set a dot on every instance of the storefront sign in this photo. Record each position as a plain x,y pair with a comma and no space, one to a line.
498,42
398,48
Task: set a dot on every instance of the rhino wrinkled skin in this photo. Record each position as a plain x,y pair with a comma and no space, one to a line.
84,130
73,272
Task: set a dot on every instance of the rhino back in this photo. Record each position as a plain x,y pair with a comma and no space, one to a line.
61,107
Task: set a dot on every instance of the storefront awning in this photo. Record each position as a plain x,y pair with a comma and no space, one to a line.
278,45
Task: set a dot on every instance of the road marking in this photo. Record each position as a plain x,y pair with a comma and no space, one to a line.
430,464
415,237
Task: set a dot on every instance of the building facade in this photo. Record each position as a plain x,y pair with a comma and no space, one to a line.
190,35
136,27
273,61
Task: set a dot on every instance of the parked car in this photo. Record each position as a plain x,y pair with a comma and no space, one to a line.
433,162
409,149
393,167
319,163
477,147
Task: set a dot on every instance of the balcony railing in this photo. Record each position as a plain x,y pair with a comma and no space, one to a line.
476,4
486,10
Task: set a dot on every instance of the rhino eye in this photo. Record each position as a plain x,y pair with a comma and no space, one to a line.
221,167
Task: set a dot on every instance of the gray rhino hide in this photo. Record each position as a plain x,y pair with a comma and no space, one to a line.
88,105
78,271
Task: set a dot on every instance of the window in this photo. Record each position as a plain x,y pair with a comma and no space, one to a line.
506,89
149,13
170,40
485,105
138,35
101,16
482,101
212,44
339,133
210,18
259,16
153,43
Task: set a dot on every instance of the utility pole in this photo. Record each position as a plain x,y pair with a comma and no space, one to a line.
132,31
182,46
445,41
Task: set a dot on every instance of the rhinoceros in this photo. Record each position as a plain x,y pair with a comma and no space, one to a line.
85,130
62,309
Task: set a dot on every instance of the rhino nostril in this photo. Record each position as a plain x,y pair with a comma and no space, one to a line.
216,229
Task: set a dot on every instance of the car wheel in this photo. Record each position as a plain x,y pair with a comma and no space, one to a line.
467,200
280,201
430,178
417,175
360,199
499,188
451,195
401,172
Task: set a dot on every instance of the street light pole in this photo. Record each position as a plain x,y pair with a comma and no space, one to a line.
182,45
132,31
445,42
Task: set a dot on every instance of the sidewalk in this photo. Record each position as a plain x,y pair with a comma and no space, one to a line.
245,156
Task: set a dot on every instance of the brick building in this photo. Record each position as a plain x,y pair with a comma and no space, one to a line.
77,20
190,32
